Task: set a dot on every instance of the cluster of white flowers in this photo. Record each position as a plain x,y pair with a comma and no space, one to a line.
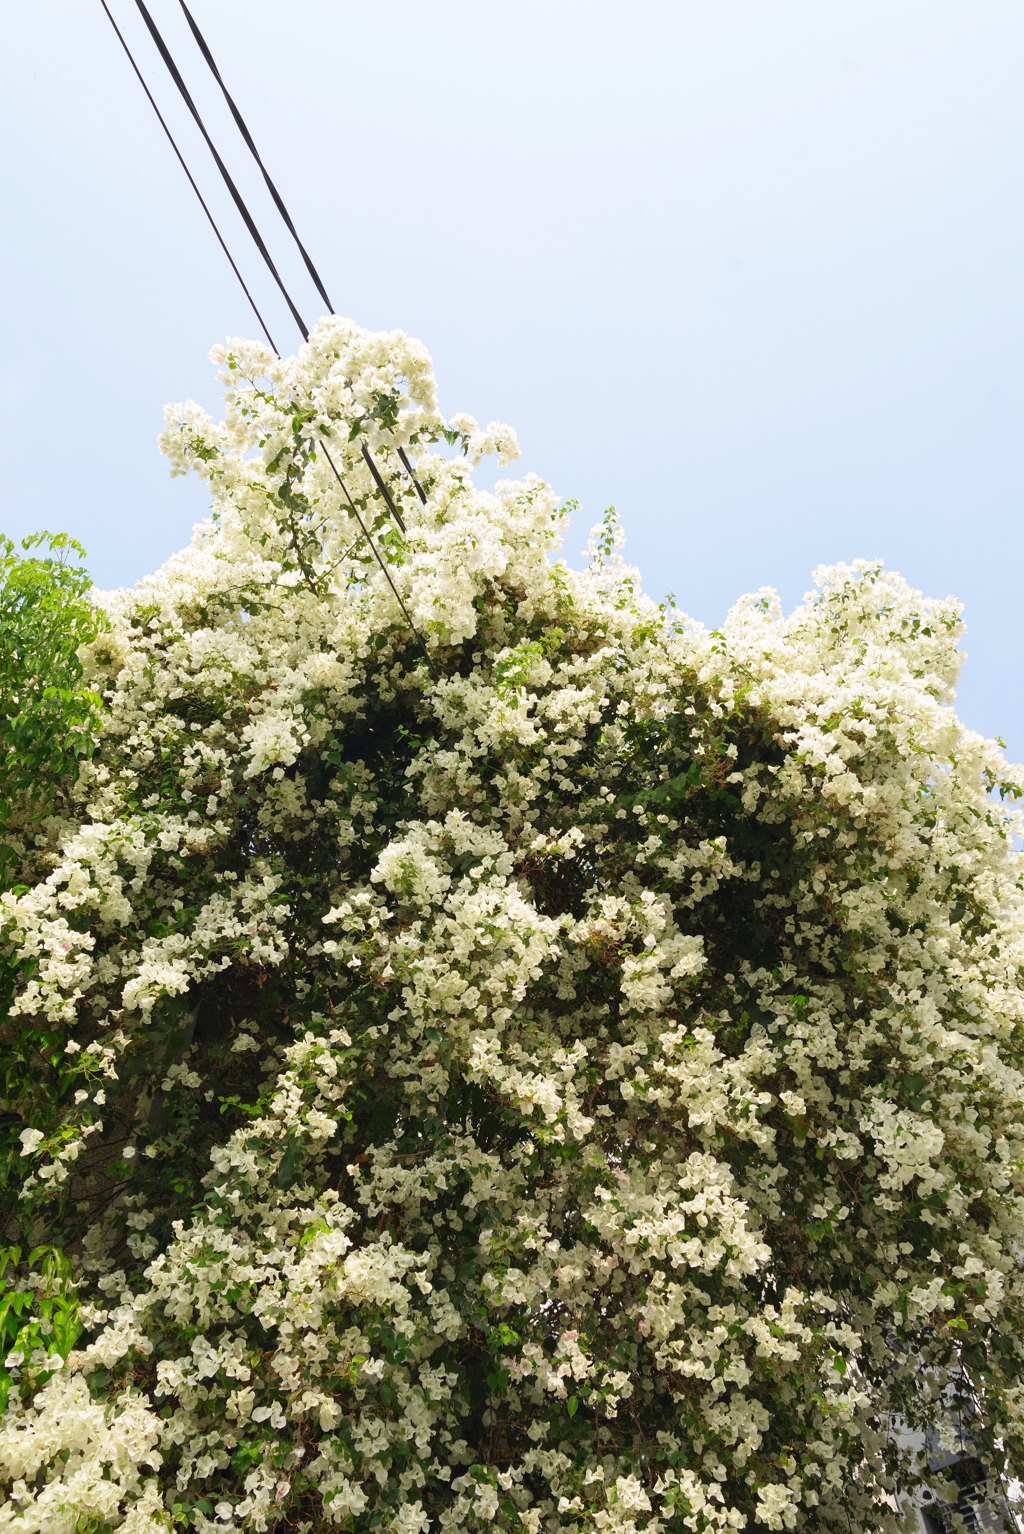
550,1067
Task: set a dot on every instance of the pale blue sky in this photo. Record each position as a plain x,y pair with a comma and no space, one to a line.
749,269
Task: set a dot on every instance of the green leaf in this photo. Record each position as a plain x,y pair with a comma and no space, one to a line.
291,1162
48,718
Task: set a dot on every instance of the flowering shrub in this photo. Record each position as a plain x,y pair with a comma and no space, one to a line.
562,1074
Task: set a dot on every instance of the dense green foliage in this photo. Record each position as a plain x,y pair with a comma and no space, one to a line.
48,721
46,714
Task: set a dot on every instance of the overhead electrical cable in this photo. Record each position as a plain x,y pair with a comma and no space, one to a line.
279,203
247,136
382,487
250,224
412,475
382,563
192,182
249,221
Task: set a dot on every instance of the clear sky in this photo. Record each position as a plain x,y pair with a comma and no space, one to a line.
753,270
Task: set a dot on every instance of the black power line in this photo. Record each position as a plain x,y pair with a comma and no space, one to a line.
409,470
382,487
247,136
191,178
243,129
250,224
381,562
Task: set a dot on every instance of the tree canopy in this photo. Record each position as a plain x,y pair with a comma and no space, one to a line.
48,720
46,714
509,1057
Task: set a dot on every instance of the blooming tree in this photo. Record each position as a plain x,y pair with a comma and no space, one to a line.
509,1056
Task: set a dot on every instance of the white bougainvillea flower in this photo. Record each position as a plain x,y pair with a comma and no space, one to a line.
508,1058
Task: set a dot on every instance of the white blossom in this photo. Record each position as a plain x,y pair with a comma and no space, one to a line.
519,1059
